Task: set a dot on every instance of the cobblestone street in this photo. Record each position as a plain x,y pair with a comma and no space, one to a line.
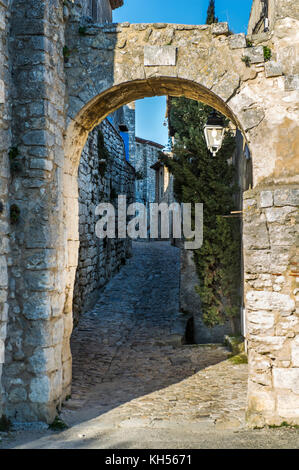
135,385
127,355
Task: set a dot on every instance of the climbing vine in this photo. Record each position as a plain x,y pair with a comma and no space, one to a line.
267,53
199,177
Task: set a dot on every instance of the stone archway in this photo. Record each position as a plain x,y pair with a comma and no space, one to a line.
256,220
205,63
107,67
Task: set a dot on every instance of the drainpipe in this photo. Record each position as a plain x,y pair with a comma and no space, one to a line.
266,15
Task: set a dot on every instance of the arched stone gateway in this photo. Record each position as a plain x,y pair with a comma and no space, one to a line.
106,67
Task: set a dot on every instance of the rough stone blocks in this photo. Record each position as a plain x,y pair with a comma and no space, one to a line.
237,41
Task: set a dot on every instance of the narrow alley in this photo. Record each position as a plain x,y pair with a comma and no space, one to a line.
128,357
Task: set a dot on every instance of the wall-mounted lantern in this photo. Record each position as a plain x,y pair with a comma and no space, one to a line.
214,132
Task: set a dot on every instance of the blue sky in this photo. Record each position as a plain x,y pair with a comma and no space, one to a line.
150,112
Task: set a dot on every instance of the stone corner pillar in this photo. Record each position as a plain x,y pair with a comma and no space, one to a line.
271,258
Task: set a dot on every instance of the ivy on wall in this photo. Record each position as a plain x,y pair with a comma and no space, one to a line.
200,177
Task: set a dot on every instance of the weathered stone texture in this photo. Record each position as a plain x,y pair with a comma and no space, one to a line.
271,227
237,41
273,69
100,259
37,132
159,55
255,54
5,138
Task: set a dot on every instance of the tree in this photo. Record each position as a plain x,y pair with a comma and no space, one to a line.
211,17
199,177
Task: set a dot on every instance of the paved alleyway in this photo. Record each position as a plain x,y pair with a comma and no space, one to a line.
128,348
135,386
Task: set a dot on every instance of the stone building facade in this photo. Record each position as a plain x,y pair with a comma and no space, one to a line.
164,194
5,145
163,183
50,106
146,155
100,182
144,159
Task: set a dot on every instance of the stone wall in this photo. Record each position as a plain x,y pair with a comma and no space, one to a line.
33,372
282,38
100,259
5,144
271,244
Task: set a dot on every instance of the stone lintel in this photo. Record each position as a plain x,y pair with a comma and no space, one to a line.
160,55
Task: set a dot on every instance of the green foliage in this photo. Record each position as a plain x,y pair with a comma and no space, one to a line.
5,424
284,424
239,359
14,213
58,425
247,60
199,177
235,344
267,53
211,17
249,43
